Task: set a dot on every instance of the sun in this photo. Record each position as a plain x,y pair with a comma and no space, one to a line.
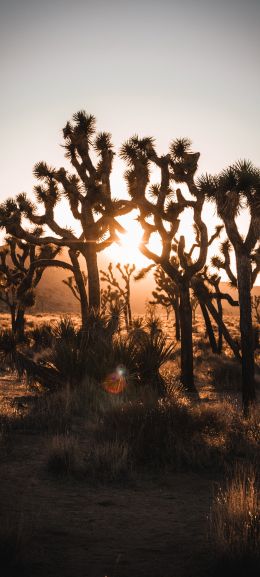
127,249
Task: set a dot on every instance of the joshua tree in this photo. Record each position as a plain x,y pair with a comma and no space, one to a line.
165,294
236,187
71,283
194,304
161,215
205,298
21,267
120,294
88,192
110,300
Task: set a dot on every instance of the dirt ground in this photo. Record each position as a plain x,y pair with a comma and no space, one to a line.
155,528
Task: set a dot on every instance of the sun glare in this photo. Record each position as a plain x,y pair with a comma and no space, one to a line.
127,249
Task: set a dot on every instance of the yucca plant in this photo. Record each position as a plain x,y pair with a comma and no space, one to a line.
42,336
151,351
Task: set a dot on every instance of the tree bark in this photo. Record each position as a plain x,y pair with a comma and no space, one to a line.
226,334
19,323
209,328
176,309
12,310
187,377
246,329
93,276
220,332
81,287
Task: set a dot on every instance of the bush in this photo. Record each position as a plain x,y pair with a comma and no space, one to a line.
158,434
235,524
42,336
179,434
55,411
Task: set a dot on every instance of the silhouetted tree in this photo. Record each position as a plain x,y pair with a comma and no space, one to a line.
88,191
71,283
166,294
21,267
206,297
161,215
236,187
121,293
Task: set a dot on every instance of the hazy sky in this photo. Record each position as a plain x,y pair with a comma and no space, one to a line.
169,68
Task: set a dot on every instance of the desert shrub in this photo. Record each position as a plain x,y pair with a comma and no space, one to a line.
96,352
64,456
180,434
158,434
55,412
108,461
42,336
151,352
235,524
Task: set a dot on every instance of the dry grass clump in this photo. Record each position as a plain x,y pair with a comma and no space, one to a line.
225,373
178,433
108,461
55,412
158,434
64,455
105,462
235,524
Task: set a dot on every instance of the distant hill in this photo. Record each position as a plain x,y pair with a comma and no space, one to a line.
53,295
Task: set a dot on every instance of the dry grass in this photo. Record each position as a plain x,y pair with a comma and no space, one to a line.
108,461
235,523
64,456
225,373
55,412
181,434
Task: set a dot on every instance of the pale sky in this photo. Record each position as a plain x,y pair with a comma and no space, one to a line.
166,68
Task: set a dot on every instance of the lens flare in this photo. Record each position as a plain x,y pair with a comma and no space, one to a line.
115,383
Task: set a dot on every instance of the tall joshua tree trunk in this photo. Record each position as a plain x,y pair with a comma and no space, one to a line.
220,332
187,377
81,287
19,323
246,328
209,327
176,308
93,276
12,311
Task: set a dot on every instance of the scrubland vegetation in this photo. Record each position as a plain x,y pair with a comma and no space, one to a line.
89,436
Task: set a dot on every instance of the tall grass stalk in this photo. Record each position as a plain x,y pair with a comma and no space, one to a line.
235,522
